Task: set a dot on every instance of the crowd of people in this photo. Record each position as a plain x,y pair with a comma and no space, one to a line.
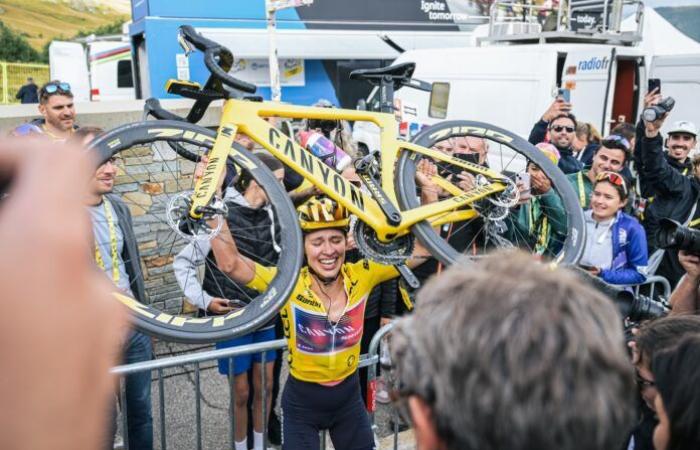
536,360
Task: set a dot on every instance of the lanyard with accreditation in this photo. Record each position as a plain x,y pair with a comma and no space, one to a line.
112,243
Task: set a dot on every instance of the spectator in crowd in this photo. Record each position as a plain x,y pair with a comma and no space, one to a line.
58,110
675,194
652,338
542,366
611,156
28,92
616,245
58,113
586,142
116,254
252,224
561,125
539,222
677,374
56,385
685,298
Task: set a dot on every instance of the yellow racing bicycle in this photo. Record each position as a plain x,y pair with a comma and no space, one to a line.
173,212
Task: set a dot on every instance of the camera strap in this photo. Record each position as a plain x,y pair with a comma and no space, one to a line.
690,222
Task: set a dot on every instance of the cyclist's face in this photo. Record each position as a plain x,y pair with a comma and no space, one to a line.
325,251
103,182
608,160
679,145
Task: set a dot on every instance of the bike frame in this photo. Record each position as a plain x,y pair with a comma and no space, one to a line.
248,117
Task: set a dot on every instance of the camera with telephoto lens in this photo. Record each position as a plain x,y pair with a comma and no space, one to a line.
655,112
673,235
634,308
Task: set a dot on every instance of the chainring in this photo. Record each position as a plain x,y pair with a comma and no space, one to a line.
394,252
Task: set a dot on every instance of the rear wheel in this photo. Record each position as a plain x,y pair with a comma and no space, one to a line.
556,230
156,162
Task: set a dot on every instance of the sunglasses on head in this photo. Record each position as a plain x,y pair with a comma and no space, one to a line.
613,178
53,88
616,141
560,128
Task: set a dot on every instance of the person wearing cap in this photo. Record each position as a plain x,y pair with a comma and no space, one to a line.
676,196
611,156
540,218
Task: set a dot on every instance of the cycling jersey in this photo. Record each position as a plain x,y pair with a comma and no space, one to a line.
319,351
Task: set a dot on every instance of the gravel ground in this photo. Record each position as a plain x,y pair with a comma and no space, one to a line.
180,407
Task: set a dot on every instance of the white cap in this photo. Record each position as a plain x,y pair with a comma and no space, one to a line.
683,126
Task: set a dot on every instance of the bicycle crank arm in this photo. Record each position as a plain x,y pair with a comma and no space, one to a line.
393,216
408,276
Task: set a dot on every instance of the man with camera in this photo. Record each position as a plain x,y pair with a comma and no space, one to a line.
676,195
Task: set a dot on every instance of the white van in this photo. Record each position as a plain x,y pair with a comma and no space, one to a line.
511,85
96,71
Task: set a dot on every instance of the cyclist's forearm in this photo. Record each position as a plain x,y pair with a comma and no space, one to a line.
229,260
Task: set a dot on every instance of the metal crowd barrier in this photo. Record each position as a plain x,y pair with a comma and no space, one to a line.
370,360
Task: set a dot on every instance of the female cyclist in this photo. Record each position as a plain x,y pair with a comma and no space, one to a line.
323,323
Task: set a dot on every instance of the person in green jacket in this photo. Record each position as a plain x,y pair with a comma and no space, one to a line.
539,222
611,156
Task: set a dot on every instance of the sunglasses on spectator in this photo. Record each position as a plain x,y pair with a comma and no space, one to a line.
614,178
560,128
616,141
53,88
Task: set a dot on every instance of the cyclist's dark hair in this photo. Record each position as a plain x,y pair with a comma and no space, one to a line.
677,376
661,334
564,115
244,179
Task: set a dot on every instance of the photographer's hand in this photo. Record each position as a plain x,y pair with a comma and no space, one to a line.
651,129
558,107
685,298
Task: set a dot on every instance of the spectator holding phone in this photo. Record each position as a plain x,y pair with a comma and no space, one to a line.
615,247
561,125
253,226
539,222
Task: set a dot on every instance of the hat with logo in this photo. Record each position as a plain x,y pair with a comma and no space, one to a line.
683,126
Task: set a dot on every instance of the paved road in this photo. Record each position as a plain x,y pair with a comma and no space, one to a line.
180,407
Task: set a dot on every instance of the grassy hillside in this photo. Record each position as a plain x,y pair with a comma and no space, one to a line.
685,18
40,21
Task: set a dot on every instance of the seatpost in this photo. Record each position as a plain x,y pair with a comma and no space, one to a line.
386,95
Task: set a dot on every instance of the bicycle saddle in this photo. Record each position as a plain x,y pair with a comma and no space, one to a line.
399,74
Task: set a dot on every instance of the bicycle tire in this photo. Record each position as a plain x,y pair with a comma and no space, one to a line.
126,141
572,247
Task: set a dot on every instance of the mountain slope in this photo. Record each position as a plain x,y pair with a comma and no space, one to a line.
40,21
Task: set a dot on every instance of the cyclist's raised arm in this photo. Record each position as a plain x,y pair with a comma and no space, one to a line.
229,260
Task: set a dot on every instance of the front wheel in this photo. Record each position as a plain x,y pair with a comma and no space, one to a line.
155,163
551,224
